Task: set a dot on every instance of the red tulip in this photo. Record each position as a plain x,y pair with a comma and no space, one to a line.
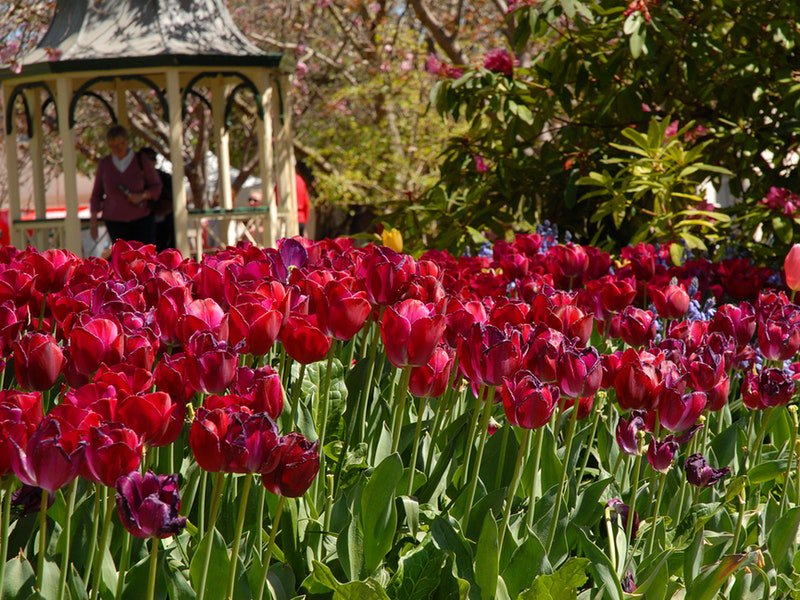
735,321
95,342
211,363
637,326
660,454
261,388
148,415
770,387
341,313
671,301
37,361
579,372
296,464
253,440
791,268
678,412
385,271
488,354
410,331
172,376
207,438
256,325
636,380
431,379
528,403
113,451
50,459
617,294
461,317
627,433
303,340
20,414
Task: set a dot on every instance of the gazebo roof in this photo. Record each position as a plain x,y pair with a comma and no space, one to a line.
112,35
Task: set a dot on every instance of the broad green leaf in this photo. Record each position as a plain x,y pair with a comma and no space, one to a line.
782,538
218,566
783,229
20,579
487,558
766,471
418,573
528,561
601,566
712,578
377,516
561,585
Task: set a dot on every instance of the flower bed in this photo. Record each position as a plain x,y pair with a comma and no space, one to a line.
547,421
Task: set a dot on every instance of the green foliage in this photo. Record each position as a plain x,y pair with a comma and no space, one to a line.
587,73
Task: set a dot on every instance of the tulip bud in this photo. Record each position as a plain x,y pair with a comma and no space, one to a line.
627,433
699,473
37,361
410,331
791,268
660,454
148,505
527,402
293,466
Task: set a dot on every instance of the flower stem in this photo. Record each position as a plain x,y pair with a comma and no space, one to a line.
637,471
151,579
42,539
298,387
237,536
476,471
270,546
739,522
537,457
62,578
498,478
123,565
590,444
260,533
662,483
415,447
567,451
612,552
786,481
216,493
512,489
101,549
99,492
366,389
476,411
324,393
8,486
400,407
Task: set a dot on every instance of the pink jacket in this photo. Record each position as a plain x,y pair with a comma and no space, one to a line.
108,198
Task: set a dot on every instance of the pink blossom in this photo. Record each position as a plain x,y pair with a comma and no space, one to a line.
499,60
480,163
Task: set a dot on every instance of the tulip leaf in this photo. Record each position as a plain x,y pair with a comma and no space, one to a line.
487,558
781,540
370,589
178,588
528,561
315,378
560,585
600,566
19,578
766,471
446,537
377,516
711,579
77,588
218,565
418,573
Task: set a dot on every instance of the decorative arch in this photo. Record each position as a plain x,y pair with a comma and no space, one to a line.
246,83
20,91
84,90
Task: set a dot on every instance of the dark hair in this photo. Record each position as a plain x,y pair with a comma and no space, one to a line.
149,153
116,132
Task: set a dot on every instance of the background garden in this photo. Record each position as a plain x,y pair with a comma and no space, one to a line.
568,371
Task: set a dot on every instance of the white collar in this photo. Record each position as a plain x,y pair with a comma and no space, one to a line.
123,163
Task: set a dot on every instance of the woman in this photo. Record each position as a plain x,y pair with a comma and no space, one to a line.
124,186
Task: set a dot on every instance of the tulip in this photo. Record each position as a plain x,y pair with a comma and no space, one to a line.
570,262
488,354
738,322
410,331
385,271
208,438
303,340
528,403
671,301
50,459
572,322
461,317
579,372
211,363
678,412
637,380
431,379
149,415
779,335
113,451
637,326
95,342
770,387
392,238
718,395
706,369
262,388
544,353
37,361
253,440
171,375
341,313
20,414
256,325
791,268
617,294
627,433
148,504
624,511
700,474
125,378
293,253
660,454
294,466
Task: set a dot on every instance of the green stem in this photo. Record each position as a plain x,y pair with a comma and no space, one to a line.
662,483
749,440
786,482
476,411
260,533
237,536
637,471
42,539
324,393
537,457
762,430
739,522
512,490
99,492
101,549
270,546
498,477
590,444
415,447
8,485
565,468
201,506
366,389
400,407
62,578
484,433
151,579
123,565
437,423
298,388
216,494
612,545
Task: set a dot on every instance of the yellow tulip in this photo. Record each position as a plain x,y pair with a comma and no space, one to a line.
392,238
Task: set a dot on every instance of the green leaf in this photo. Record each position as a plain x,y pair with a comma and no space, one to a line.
487,558
77,588
528,561
781,539
19,578
377,516
783,229
676,254
356,590
711,579
766,471
218,565
418,573
600,566
561,585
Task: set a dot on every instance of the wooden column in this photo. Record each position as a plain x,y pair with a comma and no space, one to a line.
122,104
266,164
34,98
284,154
12,167
69,166
222,142
179,207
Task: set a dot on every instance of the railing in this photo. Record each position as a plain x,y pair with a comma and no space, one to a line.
249,224
42,233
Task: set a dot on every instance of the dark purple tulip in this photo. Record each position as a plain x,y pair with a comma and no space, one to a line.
628,584
624,510
627,432
27,500
292,253
292,467
660,454
770,387
699,473
148,504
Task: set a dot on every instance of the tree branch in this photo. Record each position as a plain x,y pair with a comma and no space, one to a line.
445,41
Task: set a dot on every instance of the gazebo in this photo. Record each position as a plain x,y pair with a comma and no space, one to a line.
171,47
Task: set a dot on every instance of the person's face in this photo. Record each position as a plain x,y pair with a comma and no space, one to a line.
118,147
